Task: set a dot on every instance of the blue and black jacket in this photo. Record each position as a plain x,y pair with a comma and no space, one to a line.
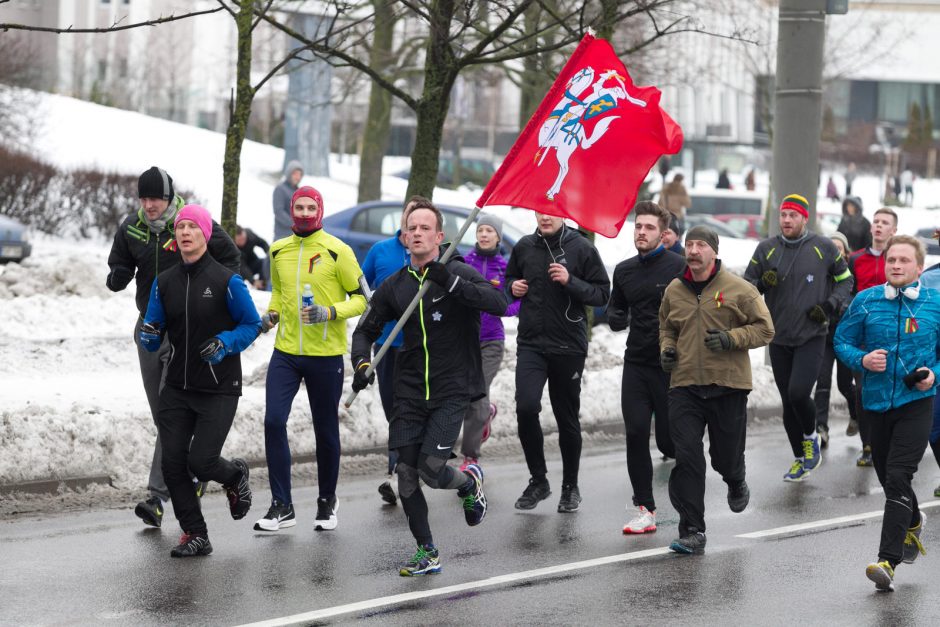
194,302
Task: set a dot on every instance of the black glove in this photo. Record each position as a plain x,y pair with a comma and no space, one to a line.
820,313
913,378
668,359
617,319
212,351
438,273
360,380
769,278
119,278
718,340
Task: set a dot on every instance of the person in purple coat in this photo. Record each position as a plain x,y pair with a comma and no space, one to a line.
485,258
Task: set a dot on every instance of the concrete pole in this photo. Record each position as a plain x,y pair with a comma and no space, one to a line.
798,103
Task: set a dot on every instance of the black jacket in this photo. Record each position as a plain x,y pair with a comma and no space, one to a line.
139,251
440,354
638,286
856,228
251,263
193,303
552,318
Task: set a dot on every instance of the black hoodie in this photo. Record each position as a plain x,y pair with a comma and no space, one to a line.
856,228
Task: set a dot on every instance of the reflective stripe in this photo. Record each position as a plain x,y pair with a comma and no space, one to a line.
424,337
817,252
771,252
845,275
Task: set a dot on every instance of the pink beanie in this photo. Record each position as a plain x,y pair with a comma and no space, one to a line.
198,214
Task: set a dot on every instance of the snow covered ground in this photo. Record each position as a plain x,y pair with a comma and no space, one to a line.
71,400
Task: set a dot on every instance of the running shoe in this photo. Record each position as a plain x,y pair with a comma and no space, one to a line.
693,543
852,429
536,491
326,514
388,493
570,500
812,457
739,495
200,487
882,574
474,500
426,561
279,517
796,472
467,461
823,436
912,544
643,522
488,424
864,460
239,494
191,545
150,511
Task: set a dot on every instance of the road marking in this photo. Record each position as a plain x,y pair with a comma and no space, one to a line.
446,590
817,524
395,599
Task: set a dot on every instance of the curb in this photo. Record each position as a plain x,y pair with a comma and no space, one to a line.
53,486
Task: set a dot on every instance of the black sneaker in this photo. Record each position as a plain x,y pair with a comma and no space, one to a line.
192,545
864,460
536,491
912,544
150,511
474,500
239,495
852,429
200,487
693,543
823,436
387,493
326,514
738,497
279,516
570,499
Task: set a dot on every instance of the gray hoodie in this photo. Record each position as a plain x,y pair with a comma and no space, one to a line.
281,201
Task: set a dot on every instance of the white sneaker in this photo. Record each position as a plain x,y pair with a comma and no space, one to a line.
643,522
326,514
278,517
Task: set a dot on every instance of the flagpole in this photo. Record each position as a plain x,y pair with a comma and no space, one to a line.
413,304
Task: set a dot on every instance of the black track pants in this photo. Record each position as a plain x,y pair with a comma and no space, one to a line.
643,392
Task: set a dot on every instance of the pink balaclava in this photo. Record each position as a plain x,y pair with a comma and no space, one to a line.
198,214
306,225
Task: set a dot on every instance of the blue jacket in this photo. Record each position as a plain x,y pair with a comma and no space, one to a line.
908,329
385,258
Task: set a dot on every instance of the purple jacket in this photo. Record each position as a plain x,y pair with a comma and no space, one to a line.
493,269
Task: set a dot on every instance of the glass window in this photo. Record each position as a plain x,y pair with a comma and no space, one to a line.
378,220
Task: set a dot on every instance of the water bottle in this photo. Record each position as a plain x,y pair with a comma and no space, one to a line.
307,299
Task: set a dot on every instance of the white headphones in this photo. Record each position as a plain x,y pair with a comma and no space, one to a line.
911,292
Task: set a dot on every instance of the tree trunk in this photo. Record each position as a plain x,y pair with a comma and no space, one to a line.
378,120
535,80
440,72
238,124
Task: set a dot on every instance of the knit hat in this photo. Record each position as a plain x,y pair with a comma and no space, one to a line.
797,203
491,221
703,233
307,224
155,183
198,214
842,238
674,225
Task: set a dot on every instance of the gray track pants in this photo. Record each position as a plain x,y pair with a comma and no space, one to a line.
153,373
479,410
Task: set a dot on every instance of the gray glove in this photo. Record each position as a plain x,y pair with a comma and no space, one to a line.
718,340
318,314
668,359
269,320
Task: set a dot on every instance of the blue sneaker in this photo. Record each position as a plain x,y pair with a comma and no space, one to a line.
426,561
474,500
797,471
812,456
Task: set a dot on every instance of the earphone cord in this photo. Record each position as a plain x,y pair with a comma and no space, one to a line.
555,260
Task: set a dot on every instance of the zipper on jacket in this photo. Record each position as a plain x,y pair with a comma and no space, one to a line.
212,370
186,337
897,349
300,301
424,338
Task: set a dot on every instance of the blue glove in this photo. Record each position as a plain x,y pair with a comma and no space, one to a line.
213,351
150,337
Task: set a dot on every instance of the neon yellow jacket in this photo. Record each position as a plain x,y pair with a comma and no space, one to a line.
331,269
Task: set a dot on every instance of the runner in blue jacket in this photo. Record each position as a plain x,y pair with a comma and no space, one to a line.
891,333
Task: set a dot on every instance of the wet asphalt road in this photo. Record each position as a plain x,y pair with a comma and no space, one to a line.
104,568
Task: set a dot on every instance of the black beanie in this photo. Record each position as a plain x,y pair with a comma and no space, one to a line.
155,183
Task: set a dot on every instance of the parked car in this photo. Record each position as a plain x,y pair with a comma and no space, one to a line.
719,227
827,223
727,201
365,224
472,170
748,225
926,236
13,244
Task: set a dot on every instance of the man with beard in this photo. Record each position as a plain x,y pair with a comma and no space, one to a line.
636,293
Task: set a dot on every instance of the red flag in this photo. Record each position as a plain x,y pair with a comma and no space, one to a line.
589,145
